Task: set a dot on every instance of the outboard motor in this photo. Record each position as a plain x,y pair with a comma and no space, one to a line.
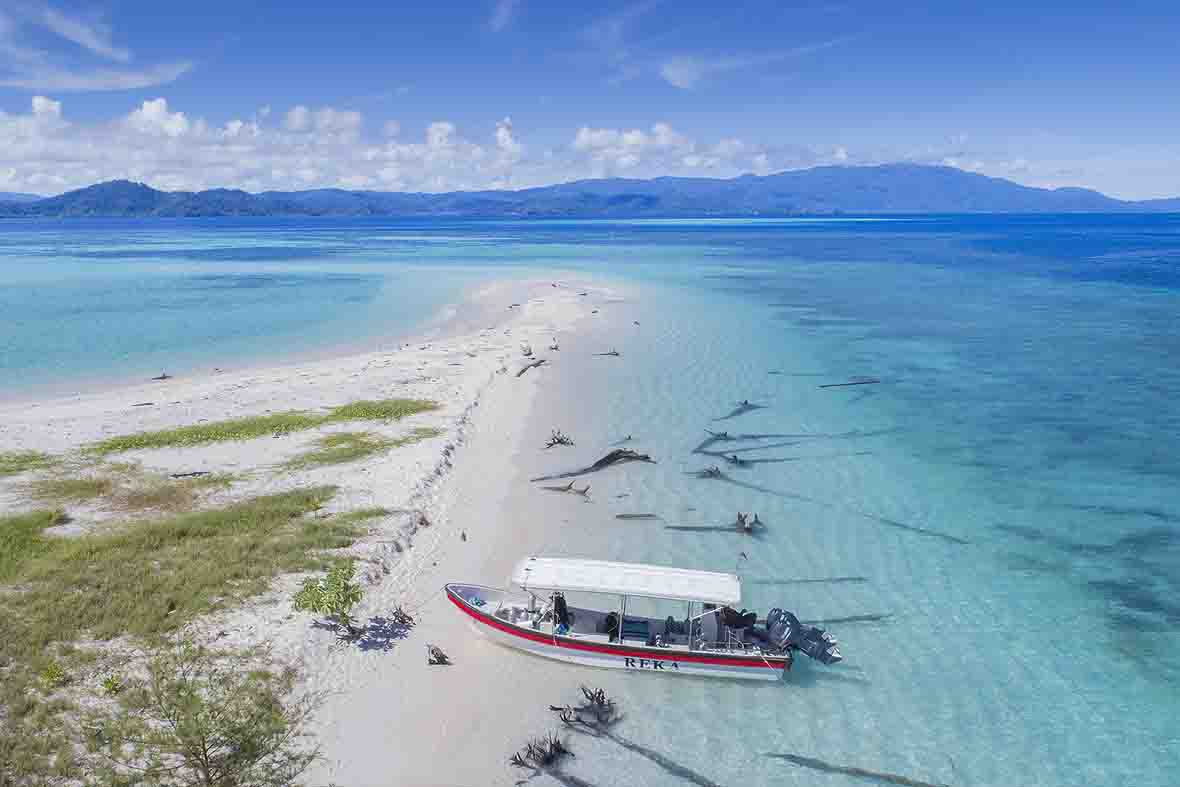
786,632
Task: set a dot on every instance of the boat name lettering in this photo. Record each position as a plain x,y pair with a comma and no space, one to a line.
650,664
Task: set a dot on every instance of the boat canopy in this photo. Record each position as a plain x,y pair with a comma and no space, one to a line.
627,579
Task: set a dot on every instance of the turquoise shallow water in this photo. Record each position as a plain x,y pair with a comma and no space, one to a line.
995,525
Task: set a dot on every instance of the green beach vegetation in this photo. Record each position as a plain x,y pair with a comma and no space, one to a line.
13,462
126,487
334,449
70,490
204,718
262,425
145,580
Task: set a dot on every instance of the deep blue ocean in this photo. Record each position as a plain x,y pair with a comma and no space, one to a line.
995,524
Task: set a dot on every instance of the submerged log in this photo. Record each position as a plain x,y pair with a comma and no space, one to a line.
847,770
612,353
853,382
163,376
617,456
533,365
742,407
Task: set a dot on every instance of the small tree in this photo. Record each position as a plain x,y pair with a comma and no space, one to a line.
333,596
208,719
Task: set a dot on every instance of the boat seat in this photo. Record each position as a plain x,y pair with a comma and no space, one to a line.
636,629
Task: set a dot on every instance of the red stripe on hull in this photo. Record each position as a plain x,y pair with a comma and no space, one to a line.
771,662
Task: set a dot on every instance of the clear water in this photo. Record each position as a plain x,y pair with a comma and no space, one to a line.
997,520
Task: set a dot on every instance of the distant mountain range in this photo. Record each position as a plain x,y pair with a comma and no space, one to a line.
16,196
889,188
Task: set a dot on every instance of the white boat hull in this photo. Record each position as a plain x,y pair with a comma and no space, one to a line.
634,658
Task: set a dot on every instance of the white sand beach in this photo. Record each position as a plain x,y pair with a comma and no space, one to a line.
388,718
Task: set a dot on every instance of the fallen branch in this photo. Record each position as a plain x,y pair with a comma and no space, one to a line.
533,365
570,488
637,516
541,753
193,474
613,353
143,404
558,438
617,456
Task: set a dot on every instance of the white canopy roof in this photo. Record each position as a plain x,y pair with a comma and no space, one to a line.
627,579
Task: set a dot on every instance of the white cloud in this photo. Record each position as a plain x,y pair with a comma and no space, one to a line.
686,71
502,14
618,149
504,139
337,121
681,72
438,135
48,77
391,128
26,67
46,107
43,150
153,117
298,118
94,37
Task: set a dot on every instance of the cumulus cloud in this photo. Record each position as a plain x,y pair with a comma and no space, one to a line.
617,149
504,139
42,150
298,118
46,107
502,14
153,117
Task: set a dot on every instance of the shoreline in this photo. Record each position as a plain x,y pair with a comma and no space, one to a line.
427,488
452,319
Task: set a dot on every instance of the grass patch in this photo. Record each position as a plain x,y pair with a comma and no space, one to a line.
168,494
127,487
149,578
262,425
344,447
13,462
21,540
57,491
144,579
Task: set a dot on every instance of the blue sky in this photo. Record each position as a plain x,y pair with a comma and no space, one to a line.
503,94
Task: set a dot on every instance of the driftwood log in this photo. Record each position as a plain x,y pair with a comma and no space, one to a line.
584,492
533,365
615,457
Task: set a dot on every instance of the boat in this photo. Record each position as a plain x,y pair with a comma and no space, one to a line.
709,637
